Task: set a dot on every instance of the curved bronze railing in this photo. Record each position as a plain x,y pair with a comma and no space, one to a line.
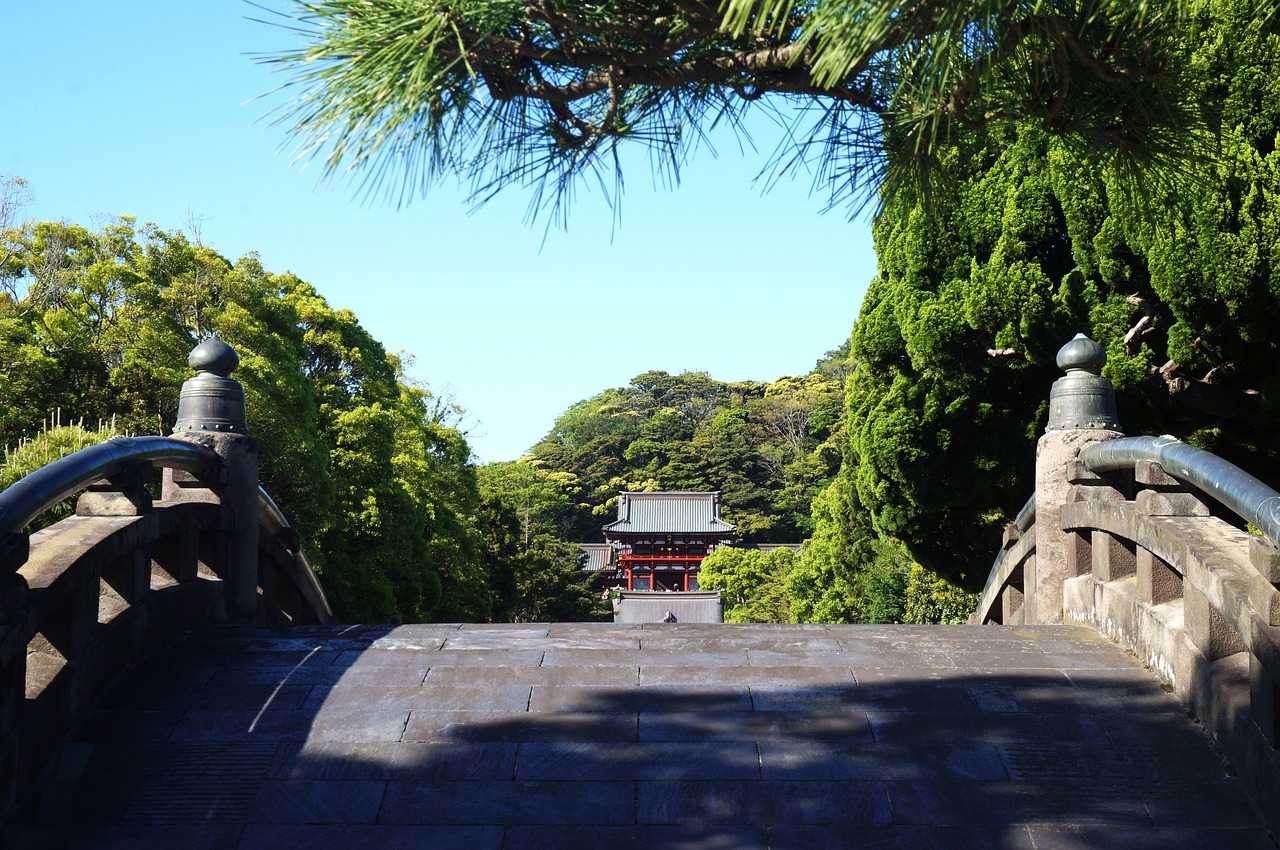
27,499
1227,483
1144,539
298,567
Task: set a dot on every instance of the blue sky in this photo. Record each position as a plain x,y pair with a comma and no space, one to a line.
152,109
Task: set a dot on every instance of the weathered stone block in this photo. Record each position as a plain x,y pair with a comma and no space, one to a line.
1113,557
1079,551
1152,474
13,597
1011,602
1116,610
128,577
1265,558
1077,473
1155,503
238,456
177,479
183,554
95,502
1264,701
1211,633
1055,451
1078,600
12,696
1158,582
288,538
1096,488
1265,600
14,552
175,610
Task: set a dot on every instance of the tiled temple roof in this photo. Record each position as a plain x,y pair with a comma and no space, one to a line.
669,513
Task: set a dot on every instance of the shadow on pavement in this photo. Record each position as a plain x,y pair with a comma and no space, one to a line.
654,736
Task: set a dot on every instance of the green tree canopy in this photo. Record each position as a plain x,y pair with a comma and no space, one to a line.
753,583
955,345
1097,165
98,323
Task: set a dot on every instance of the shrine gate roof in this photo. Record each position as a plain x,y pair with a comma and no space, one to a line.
598,556
669,513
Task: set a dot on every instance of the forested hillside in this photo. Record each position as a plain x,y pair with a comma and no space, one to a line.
96,325
768,447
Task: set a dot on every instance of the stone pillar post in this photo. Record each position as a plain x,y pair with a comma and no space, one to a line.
1082,410
211,412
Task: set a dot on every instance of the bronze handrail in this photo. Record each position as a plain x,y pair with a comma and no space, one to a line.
1230,485
27,499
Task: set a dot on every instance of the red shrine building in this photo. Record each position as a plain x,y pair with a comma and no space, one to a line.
659,540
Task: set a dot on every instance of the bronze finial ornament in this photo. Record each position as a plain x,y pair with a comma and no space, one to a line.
212,401
1082,399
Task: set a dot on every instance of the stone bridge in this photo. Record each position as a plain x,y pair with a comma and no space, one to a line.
169,678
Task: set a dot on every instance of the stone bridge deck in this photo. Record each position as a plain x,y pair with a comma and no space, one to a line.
654,736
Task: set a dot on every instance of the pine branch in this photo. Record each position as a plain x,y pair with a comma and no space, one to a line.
409,91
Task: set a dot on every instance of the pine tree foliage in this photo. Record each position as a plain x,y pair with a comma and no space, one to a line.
54,441
539,92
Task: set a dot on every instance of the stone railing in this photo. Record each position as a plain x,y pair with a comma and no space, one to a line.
1003,599
86,598
1170,551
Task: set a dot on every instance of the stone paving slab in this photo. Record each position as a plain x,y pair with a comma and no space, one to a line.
594,676
501,640
755,642
779,676
944,697
676,698
636,838
510,802
899,837
500,737
666,760
474,697
758,726
369,837
1089,837
763,802
518,726
558,657
404,760
949,802
997,727
952,761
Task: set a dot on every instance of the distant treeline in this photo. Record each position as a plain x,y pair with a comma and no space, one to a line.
768,447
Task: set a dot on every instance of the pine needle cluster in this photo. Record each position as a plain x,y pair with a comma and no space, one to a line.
539,93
